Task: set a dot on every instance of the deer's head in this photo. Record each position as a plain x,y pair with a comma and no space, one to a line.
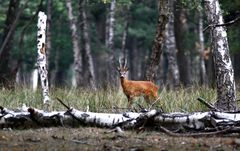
122,69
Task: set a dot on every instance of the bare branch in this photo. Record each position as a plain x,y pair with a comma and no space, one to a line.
210,106
225,24
194,134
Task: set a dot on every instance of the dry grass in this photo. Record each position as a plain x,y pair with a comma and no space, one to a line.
105,100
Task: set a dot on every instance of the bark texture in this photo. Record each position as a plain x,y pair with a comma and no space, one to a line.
226,91
203,74
183,55
7,75
125,32
49,35
78,71
154,60
109,42
203,122
171,50
91,77
41,59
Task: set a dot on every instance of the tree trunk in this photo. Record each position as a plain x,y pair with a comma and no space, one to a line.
163,13
203,75
171,48
109,41
49,37
226,91
183,56
41,58
78,75
125,32
7,76
86,44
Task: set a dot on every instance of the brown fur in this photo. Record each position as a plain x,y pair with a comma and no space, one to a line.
133,89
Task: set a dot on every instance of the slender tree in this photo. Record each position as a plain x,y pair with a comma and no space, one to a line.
49,35
183,55
78,75
226,91
163,14
171,50
7,72
86,44
52,73
41,58
203,74
109,42
125,31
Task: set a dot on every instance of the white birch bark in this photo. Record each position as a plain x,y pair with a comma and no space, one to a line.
41,59
34,79
226,90
30,117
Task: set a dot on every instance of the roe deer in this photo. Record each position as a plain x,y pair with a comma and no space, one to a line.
132,89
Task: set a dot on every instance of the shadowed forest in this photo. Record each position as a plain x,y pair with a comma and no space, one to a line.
132,30
93,57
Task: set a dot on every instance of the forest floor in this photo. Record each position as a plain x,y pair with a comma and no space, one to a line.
85,138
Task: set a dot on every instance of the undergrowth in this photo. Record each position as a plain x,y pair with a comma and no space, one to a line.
107,100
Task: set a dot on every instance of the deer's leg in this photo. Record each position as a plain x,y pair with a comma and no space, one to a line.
147,99
130,99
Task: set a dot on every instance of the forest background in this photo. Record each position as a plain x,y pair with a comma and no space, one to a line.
134,28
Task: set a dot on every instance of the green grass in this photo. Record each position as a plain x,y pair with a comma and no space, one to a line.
105,100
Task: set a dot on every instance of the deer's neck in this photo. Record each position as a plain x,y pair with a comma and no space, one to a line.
123,81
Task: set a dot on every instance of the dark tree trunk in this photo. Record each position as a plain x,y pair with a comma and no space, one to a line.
203,75
237,67
226,91
183,56
163,13
49,40
78,75
125,32
7,75
91,78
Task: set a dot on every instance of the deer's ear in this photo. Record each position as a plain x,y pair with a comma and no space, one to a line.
126,68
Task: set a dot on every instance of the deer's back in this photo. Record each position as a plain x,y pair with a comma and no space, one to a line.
137,88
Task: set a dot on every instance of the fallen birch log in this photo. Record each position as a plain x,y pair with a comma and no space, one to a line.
200,121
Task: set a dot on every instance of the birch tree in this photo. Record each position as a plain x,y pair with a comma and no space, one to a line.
226,91
109,42
86,44
163,12
203,74
78,74
41,59
171,47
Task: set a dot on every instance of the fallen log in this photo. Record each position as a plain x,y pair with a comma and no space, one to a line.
218,122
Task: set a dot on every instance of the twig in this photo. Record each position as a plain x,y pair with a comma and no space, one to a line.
69,110
153,103
63,103
193,134
210,106
224,24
